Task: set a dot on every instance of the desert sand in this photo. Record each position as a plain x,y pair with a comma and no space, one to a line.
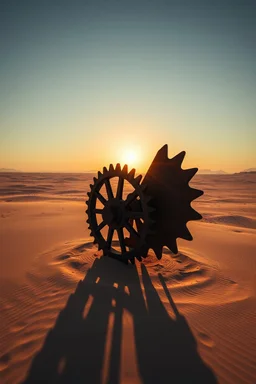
69,315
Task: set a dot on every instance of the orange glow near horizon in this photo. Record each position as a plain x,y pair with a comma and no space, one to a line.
131,157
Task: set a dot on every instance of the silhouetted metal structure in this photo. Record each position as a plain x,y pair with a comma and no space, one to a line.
153,215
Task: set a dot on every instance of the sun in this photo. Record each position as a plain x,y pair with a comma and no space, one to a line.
131,157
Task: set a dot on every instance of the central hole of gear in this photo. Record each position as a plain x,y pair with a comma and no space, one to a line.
114,213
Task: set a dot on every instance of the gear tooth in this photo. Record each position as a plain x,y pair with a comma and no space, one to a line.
91,234
195,193
172,245
88,194
111,168
99,174
86,211
189,173
186,234
104,169
178,159
138,179
158,251
91,186
95,180
194,215
87,202
131,174
144,252
125,168
118,167
162,154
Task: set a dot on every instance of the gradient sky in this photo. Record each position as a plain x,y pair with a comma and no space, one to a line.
83,81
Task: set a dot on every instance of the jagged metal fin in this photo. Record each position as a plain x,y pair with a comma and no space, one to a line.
194,215
111,167
177,160
158,251
144,253
162,154
125,168
189,173
186,234
172,245
105,169
118,167
195,193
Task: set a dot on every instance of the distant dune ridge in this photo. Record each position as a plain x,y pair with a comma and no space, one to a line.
250,170
9,170
210,172
70,315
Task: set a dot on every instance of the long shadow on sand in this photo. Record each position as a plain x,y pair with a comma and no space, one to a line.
73,351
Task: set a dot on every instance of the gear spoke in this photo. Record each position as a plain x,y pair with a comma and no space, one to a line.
139,224
109,189
101,226
132,231
100,197
119,193
110,236
131,197
121,239
98,210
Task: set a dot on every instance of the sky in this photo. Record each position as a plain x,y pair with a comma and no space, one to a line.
88,83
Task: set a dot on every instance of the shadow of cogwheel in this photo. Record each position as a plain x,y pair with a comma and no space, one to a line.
111,214
154,214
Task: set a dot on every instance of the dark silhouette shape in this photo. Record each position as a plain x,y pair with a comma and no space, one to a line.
73,351
155,213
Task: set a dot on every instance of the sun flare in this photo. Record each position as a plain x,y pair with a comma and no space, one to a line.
131,157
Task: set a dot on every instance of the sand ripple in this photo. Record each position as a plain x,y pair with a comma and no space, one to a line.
30,310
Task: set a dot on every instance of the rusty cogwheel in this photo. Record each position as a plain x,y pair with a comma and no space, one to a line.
153,215
112,213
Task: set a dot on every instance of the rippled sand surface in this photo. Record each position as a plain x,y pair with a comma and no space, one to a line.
69,315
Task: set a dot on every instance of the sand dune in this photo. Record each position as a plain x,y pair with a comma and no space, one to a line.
70,315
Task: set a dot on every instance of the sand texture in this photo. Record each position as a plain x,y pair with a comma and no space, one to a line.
69,315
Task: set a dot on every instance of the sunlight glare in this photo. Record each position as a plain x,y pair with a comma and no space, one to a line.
130,157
